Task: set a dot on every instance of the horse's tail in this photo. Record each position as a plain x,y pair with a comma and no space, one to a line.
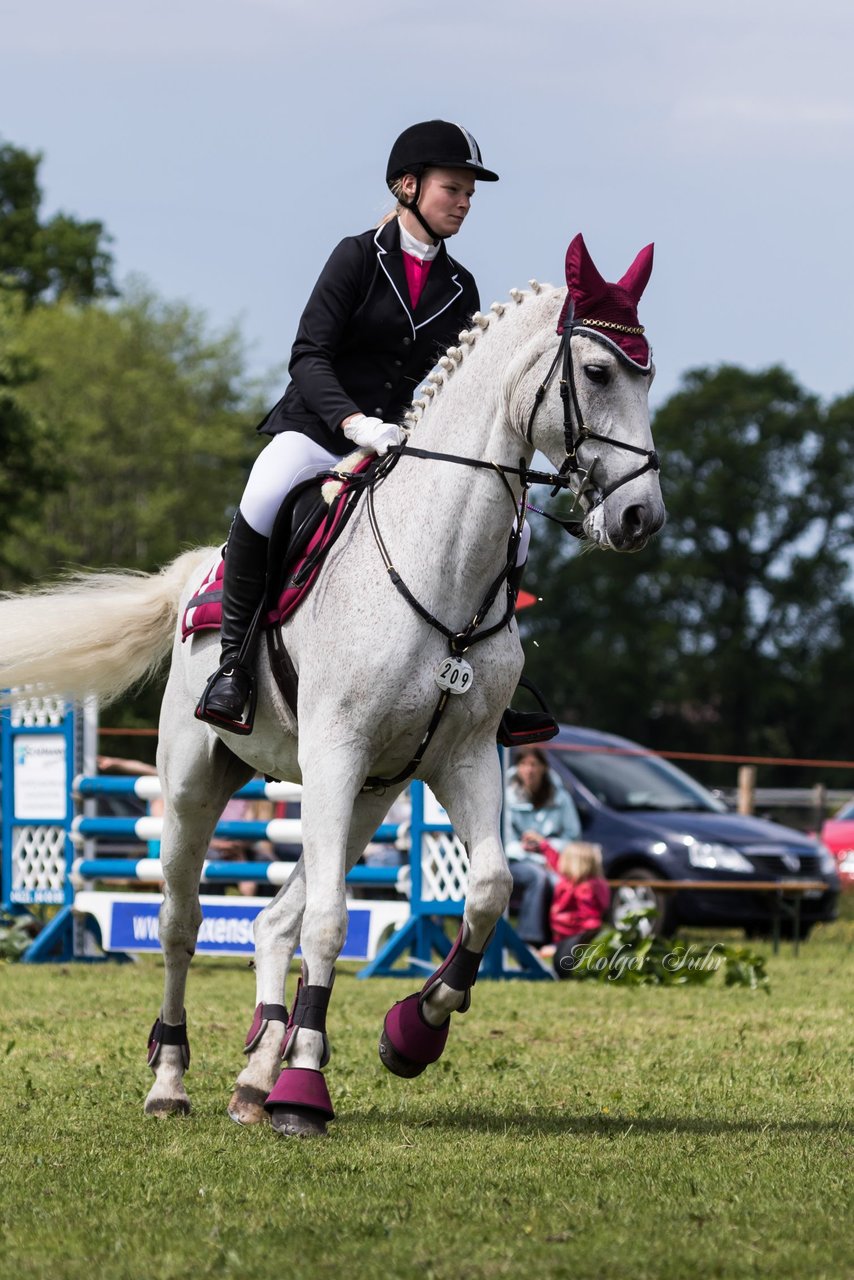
94,634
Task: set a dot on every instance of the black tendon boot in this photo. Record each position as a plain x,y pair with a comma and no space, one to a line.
522,728
232,685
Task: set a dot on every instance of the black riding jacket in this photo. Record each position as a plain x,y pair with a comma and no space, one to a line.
360,347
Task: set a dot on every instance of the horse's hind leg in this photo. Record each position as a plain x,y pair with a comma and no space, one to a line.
415,1030
198,775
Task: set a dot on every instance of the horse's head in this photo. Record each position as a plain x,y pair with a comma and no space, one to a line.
593,425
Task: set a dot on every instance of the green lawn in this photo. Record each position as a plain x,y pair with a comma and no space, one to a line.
579,1130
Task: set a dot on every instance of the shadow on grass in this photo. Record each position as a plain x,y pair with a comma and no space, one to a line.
547,1123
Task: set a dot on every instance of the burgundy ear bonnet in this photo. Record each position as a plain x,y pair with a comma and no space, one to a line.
608,312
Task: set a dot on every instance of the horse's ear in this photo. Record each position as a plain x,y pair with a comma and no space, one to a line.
637,277
581,274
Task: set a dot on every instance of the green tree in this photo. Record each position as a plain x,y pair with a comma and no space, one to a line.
152,421
712,637
153,418
28,458
46,260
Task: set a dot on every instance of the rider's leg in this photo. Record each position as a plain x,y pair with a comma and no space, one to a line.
288,459
244,576
519,728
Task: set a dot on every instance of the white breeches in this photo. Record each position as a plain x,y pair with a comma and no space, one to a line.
288,459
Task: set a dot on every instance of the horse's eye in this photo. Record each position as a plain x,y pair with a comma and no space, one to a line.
596,373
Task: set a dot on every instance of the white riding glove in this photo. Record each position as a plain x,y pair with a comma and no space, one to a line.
373,433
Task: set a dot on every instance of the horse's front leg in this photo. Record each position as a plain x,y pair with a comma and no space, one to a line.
416,1029
276,933
337,824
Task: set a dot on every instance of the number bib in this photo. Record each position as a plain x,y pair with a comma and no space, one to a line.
455,675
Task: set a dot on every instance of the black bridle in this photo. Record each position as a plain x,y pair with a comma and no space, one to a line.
575,434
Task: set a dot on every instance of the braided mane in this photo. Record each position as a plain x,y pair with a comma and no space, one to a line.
454,356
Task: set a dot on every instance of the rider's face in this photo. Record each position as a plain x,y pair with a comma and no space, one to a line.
445,198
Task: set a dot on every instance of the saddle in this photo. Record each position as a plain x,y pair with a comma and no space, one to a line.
306,528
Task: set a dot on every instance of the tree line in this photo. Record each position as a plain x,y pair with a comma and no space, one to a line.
125,436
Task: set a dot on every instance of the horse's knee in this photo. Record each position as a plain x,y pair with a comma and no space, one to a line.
280,920
179,925
323,934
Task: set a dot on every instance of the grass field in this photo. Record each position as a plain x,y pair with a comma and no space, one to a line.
579,1130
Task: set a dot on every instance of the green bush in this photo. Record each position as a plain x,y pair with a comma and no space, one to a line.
630,954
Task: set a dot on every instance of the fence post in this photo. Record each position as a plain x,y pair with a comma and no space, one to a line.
746,788
819,804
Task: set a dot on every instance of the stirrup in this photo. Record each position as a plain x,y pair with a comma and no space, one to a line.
525,728
203,712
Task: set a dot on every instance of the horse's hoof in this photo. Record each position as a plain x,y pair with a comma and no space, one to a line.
401,1066
247,1105
160,1108
298,1122
409,1043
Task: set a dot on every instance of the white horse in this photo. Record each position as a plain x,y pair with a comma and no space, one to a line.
367,665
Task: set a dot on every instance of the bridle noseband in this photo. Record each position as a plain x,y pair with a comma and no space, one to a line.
576,433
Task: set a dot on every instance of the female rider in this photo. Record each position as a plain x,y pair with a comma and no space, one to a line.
386,306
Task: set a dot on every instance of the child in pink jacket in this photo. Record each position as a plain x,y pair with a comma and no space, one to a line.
580,901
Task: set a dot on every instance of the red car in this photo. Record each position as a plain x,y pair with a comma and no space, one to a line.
838,834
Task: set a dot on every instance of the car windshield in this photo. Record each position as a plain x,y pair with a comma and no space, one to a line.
846,813
628,781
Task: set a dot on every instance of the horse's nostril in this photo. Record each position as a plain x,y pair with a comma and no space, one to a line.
634,518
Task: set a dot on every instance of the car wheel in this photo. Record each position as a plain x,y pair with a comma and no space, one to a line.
625,899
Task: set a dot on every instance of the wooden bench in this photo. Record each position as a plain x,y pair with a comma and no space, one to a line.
787,896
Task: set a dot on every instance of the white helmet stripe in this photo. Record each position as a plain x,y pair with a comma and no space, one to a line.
474,150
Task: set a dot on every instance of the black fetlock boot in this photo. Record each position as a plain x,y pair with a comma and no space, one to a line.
523,728
232,686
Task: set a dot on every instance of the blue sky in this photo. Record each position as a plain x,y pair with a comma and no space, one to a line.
229,144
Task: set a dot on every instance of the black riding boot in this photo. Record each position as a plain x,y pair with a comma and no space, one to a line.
522,728
232,685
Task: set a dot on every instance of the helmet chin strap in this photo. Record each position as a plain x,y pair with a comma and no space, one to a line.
412,207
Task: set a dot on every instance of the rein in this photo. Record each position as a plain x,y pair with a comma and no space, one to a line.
460,641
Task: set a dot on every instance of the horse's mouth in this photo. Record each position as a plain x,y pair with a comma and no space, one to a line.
596,534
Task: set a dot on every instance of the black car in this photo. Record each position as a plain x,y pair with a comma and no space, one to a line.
654,822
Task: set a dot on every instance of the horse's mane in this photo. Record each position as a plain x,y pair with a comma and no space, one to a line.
466,341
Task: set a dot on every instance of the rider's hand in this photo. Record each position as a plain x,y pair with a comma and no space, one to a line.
373,433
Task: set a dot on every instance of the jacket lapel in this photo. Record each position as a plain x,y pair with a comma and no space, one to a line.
390,259
442,286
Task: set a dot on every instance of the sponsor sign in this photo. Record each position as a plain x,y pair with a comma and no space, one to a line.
40,777
226,928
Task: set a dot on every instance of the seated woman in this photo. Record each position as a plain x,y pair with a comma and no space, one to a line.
538,808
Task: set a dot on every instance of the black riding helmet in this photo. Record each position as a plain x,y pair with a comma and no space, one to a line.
434,144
